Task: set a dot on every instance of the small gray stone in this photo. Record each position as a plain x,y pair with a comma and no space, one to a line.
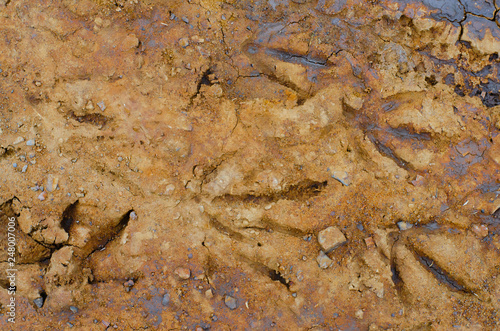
323,260
30,142
25,168
39,302
133,215
230,302
165,300
14,165
73,309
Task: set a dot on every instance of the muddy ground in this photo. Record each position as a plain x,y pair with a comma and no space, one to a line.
237,165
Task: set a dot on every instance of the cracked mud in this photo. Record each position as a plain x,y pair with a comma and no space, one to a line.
234,165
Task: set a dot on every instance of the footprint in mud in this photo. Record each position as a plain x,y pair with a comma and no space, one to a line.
303,55
433,266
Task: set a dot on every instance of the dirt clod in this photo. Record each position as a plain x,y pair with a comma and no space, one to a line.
331,238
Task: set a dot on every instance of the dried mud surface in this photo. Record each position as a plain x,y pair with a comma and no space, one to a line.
234,165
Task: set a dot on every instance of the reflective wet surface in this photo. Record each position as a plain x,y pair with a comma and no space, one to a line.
170,165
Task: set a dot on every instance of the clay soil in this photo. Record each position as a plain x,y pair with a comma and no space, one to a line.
250,165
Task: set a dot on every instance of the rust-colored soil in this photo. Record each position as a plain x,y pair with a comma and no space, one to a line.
251,165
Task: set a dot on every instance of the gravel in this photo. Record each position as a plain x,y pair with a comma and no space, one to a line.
133,215
101,105
42,196
183,42
230,302
404,225
183,273
165,300
342,177
39,302
331,238
323,260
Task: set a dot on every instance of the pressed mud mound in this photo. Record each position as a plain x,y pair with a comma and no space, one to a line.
238,165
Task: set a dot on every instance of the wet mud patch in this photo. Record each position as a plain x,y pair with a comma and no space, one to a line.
281,164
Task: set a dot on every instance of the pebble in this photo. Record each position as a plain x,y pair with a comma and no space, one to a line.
70,325
404,225
42,196
418,180
183,273
165,300
323,260
73,309
14,165
133,216
331,238
89,105
39,302
230,302
52,183
209,294
120,159
359,314
101,105
185,19
129,283
30,142
354,101
480,230
25,167
184,42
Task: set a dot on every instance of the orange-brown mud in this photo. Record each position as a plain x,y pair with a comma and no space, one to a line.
237,165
